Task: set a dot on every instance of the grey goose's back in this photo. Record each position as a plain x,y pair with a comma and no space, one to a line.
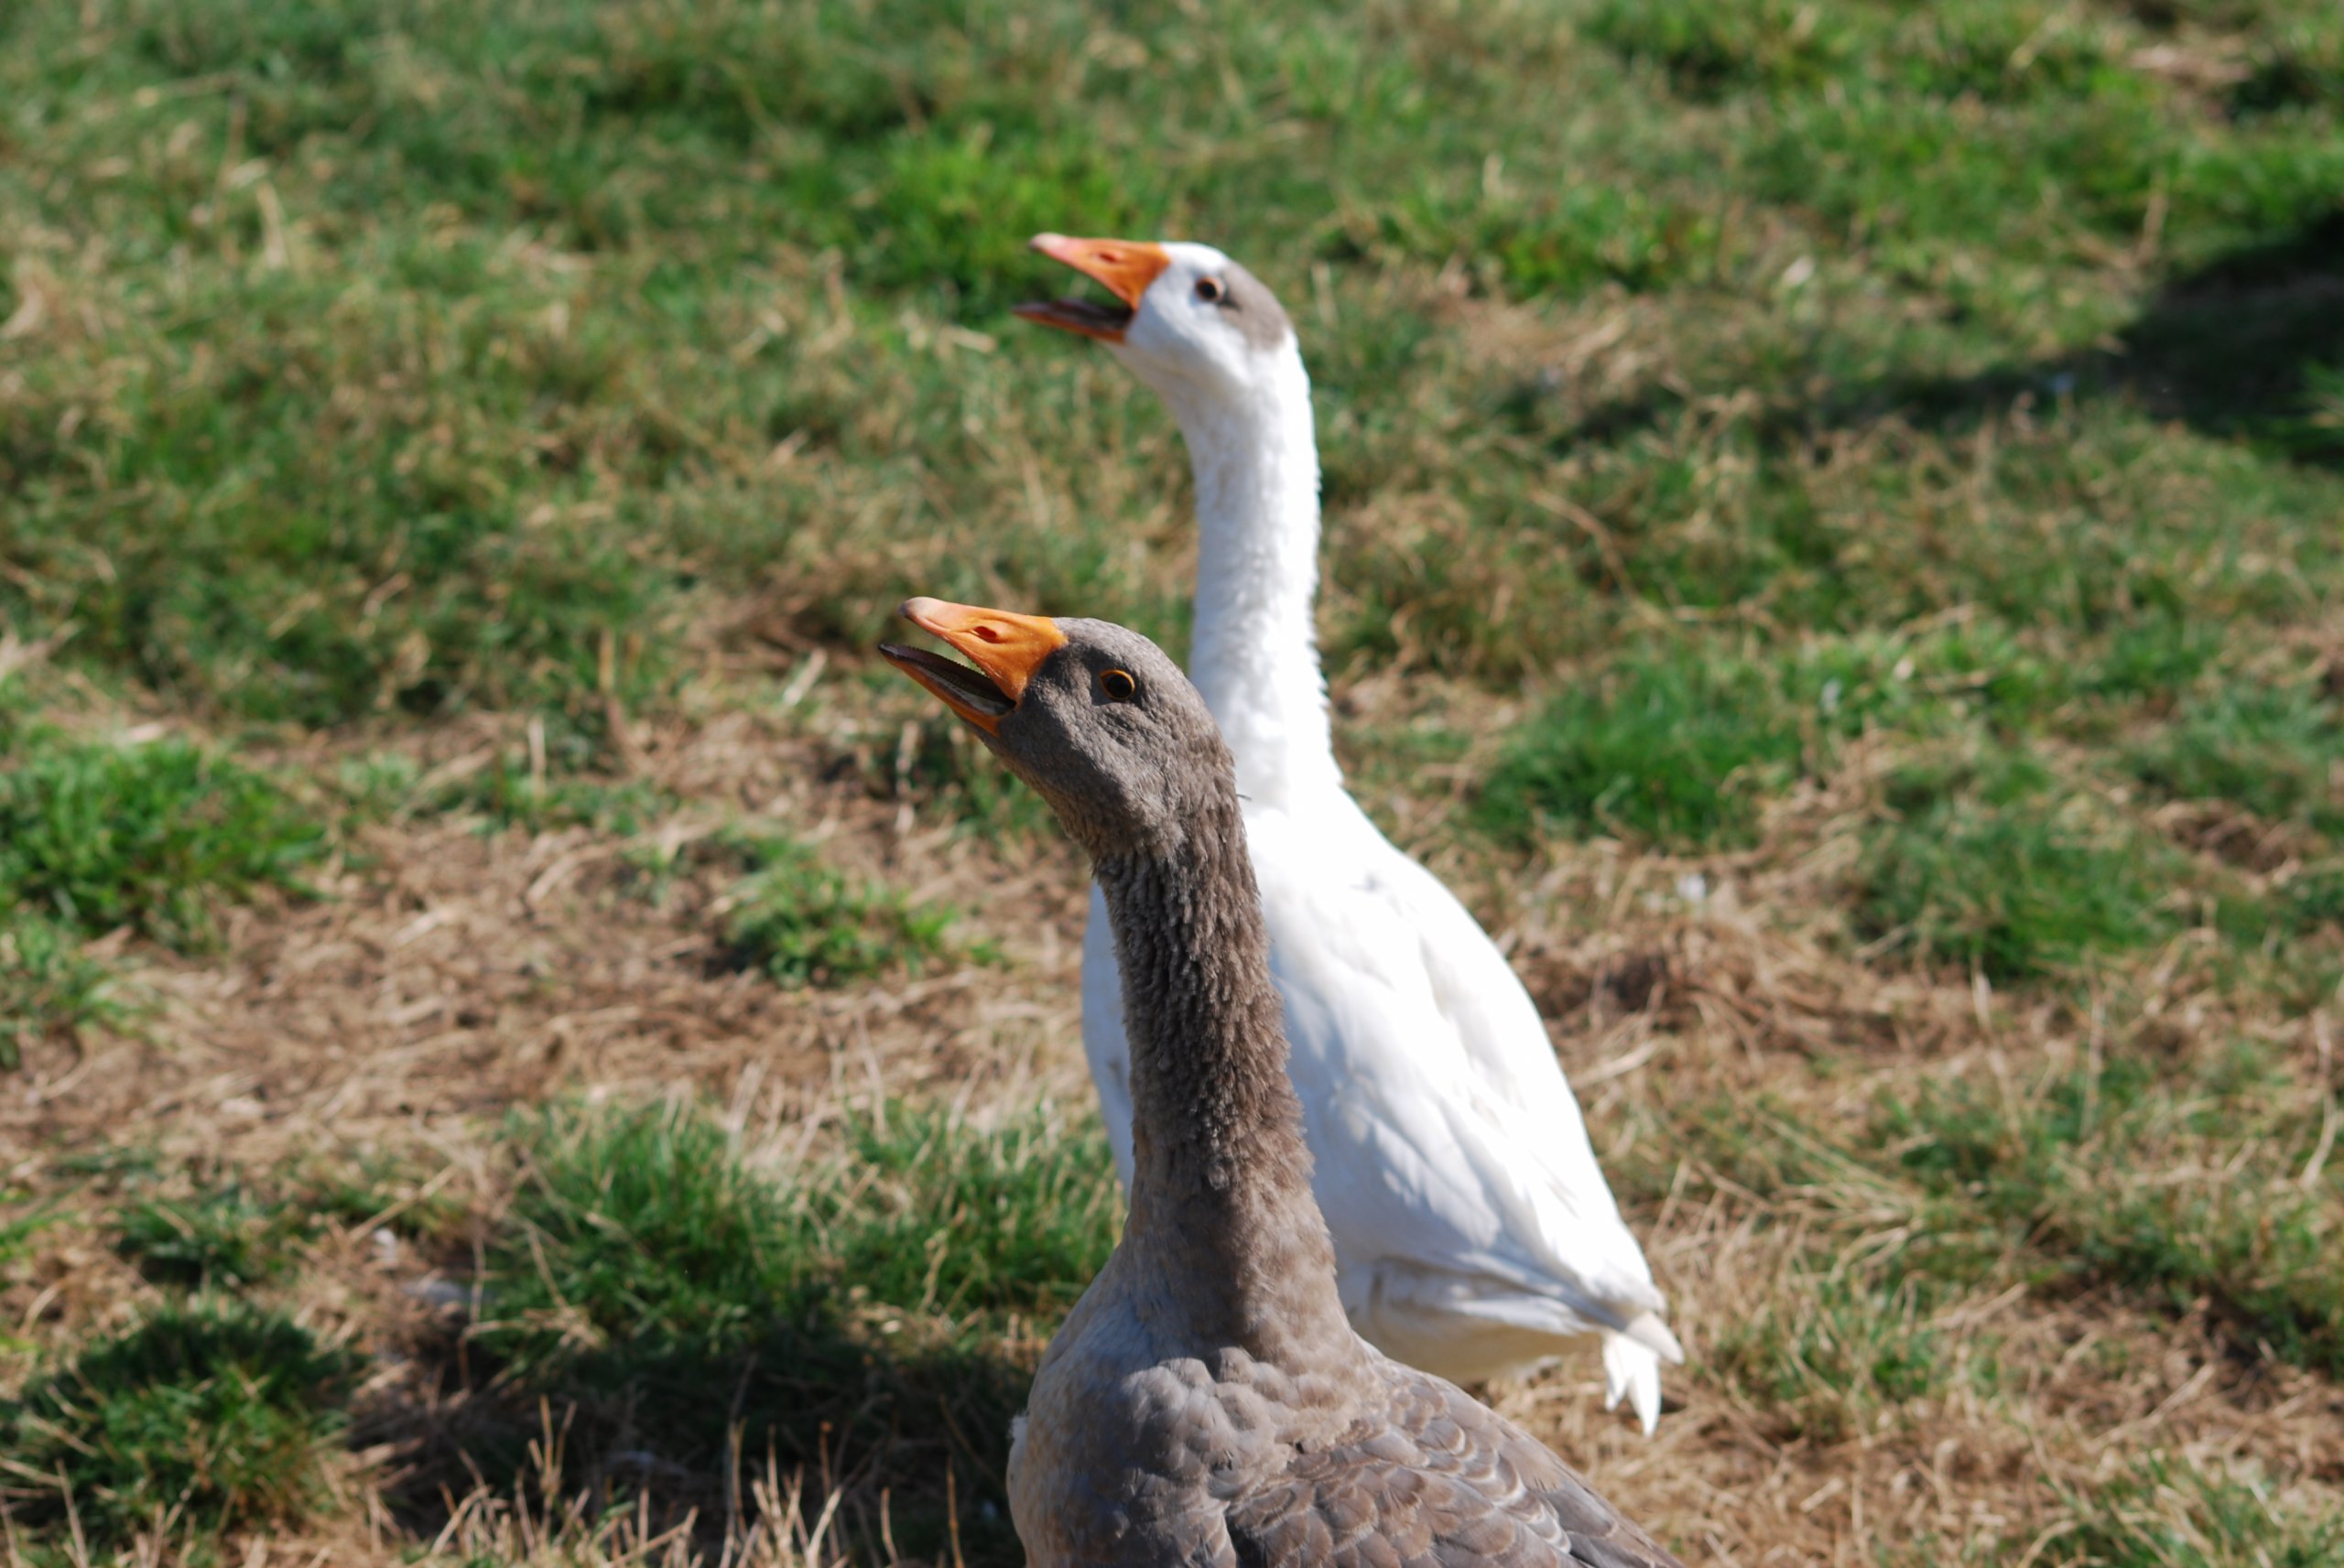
1433,1481
1241,1466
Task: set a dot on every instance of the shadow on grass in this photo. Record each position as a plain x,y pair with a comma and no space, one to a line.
915,1440
2251,347
673,1319
2236,349
2241,345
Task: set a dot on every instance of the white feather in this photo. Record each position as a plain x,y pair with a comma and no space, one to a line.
1474,1232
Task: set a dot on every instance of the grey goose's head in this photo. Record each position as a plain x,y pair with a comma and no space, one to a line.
1093,717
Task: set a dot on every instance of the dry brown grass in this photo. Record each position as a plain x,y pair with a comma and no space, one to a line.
453,974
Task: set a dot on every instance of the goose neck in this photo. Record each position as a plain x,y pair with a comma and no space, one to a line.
1221,1211
1255,654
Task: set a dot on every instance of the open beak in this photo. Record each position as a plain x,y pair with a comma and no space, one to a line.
1125,266
1006,647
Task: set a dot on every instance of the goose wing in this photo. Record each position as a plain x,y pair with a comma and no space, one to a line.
1439,1143
1433,1481
1496,1024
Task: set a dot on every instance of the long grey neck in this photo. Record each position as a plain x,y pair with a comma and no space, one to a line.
1221,1197
1255,653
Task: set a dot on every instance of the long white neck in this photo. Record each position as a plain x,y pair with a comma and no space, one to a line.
1255,656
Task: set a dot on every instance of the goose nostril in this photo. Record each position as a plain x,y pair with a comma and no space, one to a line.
991,635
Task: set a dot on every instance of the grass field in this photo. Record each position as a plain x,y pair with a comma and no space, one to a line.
520,1042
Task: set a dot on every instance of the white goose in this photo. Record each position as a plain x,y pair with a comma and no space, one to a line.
1474,1233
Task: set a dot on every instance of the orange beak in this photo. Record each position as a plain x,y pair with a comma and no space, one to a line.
1007,648
1125,266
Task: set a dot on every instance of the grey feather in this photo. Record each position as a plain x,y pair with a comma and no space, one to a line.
1206,1401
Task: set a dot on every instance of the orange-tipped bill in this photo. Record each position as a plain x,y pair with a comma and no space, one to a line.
1125,266
1006,647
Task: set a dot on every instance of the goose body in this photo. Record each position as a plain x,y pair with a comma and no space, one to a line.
1207,1403
1474,1233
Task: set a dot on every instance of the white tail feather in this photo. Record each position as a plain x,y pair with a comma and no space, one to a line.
1632,1371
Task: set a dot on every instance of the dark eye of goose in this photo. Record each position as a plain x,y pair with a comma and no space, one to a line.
1211,291
1118,685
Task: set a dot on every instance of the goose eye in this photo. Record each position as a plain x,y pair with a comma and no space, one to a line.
1209,290
1118,685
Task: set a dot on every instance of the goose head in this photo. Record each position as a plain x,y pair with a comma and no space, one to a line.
1093,717
1186,320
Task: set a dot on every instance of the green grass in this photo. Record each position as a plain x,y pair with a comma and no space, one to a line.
647,1229
204,1417
2262,746
642,1263
96,836
2157,1513
154,837
1981,1183
805,923
390,1188
2168,1516
360,540
951,770
959,1221
1837,1358
1678,753
1993,867
564,786
224,1237
17,1233
47,985
1681,746
2263,1254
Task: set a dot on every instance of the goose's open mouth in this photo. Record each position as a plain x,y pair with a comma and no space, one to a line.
1124,267
1108,323
962,688
1006,647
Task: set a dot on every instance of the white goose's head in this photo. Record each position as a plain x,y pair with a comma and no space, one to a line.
1188,321
1214,344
